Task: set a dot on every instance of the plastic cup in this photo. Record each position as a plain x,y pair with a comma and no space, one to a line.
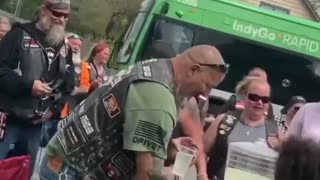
183,160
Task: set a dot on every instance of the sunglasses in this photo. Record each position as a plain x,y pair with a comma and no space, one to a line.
223,68
256,98
58,14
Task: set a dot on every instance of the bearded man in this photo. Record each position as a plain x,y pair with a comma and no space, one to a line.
82,74
36,75
81,88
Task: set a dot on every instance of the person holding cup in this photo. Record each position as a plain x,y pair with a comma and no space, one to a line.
191,124
122,130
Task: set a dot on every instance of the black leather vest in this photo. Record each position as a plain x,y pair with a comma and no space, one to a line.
77,74
33,65
91,136
218,155
76,99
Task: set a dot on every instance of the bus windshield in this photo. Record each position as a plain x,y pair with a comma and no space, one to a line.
289,73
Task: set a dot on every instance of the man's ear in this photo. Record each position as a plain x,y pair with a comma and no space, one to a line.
194,68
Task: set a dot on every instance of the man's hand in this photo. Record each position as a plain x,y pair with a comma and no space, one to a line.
184,141
79,90
41,89
45,117
148,167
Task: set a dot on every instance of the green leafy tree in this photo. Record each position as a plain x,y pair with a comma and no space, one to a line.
90,18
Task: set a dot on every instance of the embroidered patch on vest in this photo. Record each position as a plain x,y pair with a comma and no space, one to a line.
111,105
30,43
86,124
149,61
55,164
222,132
147,71
226,125
63,52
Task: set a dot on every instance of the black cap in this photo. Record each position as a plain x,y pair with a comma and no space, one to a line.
293,100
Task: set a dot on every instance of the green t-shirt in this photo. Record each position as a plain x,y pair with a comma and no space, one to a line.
151,115
150,118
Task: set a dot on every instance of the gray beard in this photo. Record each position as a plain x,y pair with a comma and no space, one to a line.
76,58
55,35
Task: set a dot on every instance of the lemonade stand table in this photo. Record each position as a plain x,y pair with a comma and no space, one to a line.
250,161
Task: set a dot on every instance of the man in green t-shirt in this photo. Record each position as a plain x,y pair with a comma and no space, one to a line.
150,114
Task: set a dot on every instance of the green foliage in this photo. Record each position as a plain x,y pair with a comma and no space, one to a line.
28,8
89,18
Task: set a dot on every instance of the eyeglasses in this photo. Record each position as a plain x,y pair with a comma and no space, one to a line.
223,68
256,98
58,14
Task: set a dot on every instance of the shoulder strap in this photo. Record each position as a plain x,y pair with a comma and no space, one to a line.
226,125
271,128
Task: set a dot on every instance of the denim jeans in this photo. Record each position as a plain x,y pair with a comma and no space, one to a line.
21,140
66,172
48,130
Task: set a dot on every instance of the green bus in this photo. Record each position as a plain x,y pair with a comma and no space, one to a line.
287,47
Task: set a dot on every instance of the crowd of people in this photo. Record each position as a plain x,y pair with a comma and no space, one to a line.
95,124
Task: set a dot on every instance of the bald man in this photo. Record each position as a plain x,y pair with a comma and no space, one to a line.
4,26
122,130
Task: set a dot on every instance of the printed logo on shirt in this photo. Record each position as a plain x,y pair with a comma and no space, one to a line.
149,135
111,105
51,53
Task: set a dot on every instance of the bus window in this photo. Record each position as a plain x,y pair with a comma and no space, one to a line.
130,38
133,32
169,38
289,73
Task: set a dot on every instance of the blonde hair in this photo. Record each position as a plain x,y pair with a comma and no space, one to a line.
242,87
